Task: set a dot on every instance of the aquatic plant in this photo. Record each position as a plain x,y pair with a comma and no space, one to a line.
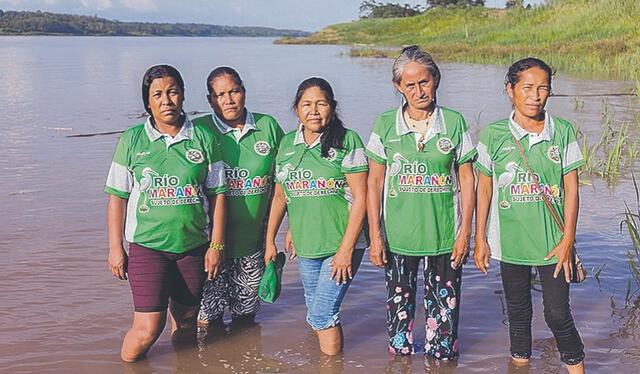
631,222
615,151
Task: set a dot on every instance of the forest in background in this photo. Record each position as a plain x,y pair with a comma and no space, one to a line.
46,23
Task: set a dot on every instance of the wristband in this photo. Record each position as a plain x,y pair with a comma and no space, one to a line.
216,246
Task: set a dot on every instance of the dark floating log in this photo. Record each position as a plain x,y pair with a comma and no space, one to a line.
94,134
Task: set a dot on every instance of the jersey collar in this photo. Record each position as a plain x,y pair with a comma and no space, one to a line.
438,126
545,135
299,139
185,133
250,124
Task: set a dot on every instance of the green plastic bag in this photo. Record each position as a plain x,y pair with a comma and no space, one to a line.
271,281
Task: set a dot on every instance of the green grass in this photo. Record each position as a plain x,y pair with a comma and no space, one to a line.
596,36
631,222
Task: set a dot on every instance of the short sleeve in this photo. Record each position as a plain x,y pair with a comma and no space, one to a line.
484,161
571,155
354,160
375,147
215,182
120,179
465,151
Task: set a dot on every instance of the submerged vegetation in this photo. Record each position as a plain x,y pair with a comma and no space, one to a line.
631,222
596,36
616,149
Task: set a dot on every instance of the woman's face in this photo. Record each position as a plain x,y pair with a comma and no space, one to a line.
418,86
227,98
531,92
165,100
313,109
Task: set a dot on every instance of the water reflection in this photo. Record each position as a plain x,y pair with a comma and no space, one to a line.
236,348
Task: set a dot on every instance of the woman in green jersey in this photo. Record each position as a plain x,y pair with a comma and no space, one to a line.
249,143
321,174
165,182
421,182
515,225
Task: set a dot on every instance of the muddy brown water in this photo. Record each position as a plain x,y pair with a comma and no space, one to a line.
62,311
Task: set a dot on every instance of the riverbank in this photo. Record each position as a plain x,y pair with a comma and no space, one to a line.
591,36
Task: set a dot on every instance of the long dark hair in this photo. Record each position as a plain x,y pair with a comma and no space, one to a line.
513,75
154,72
333,133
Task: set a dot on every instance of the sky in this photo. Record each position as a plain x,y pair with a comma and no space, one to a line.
308,15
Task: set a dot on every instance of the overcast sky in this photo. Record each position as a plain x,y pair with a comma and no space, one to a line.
309,15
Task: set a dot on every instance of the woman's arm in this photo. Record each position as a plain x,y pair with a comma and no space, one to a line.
276,214
116,209
214,256
563,249
482,252
375,184
341,263
468,203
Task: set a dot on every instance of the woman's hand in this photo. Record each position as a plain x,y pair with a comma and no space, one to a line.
460,254
288,245
378,252
270,252
118,262
213,262
481,255
341,266
563,252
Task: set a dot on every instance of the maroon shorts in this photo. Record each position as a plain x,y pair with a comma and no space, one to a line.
156,276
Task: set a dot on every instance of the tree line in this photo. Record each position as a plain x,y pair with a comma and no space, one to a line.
46,23
375,9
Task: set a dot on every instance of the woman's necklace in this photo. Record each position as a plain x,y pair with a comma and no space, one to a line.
419,126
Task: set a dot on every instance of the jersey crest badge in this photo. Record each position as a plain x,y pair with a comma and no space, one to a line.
332,155
444,145
195,156
262,148
554,154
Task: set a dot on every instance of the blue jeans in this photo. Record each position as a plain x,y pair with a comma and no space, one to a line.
322,296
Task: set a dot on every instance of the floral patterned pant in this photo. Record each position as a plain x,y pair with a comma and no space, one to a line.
441,303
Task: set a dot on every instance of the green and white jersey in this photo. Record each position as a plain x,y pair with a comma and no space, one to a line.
166,181
249,160
316,191
520,229
421,203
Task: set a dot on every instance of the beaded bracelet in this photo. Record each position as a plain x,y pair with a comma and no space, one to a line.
217,246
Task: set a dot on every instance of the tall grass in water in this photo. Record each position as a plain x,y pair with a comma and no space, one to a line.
616,149
631,222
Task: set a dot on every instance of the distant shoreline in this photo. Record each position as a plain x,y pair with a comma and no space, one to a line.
23,23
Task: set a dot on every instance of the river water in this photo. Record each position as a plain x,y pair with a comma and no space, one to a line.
63,312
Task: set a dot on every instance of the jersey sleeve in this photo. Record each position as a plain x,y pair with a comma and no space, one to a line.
571,153
120,178
375,147
354,160
215,181
484,161
465,151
